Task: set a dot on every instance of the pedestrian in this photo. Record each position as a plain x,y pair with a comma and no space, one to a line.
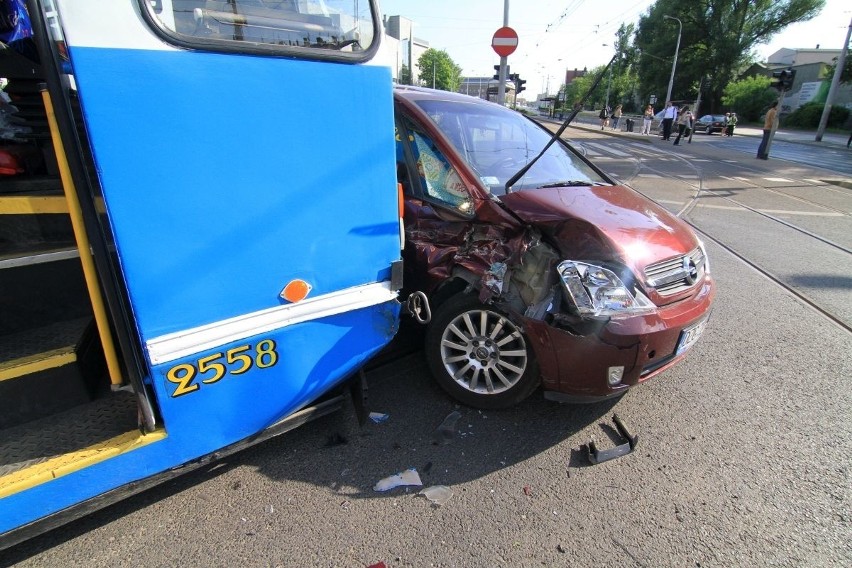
647,118
669,114
604,116
725,122
616,116
732,122
768,123
684,124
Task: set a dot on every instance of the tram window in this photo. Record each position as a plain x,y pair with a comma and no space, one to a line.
319,28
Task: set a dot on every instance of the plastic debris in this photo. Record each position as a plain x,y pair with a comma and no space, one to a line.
527,490
407,477
447,430
379,417
377,565
437,494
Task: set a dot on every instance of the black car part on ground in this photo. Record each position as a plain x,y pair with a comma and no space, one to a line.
597,456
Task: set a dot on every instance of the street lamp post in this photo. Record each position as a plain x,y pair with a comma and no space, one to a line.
608,85
608,82
674,63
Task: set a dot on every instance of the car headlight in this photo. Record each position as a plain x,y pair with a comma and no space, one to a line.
597,291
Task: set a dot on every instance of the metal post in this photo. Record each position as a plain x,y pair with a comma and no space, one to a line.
674,63
841,62
501,87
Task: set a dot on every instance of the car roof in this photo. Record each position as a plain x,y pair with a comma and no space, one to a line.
412,93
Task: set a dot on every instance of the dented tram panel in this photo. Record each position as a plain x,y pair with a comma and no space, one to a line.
213,170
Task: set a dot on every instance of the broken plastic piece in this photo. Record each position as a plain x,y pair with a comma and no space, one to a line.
378,417
407,477
597,456
437,494
447,430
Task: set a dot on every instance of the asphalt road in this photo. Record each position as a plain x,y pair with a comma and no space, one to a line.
743,456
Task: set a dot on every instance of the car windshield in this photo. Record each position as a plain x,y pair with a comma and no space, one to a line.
496,143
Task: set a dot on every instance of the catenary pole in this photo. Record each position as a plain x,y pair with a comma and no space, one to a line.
835,81
501,87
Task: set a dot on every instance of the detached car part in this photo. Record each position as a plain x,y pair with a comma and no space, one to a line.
597,456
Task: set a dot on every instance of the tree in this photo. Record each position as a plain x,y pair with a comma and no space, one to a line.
846,75
574,92
404,75
749,97
717,41
438,70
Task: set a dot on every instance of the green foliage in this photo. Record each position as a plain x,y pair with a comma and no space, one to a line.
717,41
846,76
439,70
809,114
749,97
405,75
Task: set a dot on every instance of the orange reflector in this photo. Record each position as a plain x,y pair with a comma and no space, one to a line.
400,199
296,290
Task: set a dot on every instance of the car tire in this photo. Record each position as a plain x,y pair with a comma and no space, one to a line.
708,130
478,355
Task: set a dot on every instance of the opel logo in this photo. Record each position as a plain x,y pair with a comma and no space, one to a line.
690,270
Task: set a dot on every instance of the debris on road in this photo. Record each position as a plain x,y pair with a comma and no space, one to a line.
379,417
407,477
447,430
437,494
597,456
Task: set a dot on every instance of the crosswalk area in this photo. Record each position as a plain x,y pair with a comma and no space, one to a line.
621,150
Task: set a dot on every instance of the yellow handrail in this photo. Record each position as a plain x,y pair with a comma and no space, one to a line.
83,246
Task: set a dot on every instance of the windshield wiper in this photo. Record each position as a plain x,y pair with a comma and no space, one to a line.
569,183
558,133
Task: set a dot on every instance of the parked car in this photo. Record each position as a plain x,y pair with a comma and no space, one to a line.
709,123
562,278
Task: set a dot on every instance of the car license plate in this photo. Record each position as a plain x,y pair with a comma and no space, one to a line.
690,335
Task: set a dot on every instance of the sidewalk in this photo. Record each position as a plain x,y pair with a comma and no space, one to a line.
797,136
794,136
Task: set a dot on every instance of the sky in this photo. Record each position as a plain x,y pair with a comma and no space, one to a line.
555,35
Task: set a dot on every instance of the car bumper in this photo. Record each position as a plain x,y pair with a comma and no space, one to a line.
575,367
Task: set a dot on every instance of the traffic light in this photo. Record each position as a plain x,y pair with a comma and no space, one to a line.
497,74
783,79
788,79
520,85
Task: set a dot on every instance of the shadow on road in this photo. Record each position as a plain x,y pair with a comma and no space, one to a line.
337,455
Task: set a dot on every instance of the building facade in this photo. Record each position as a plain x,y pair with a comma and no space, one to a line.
403,48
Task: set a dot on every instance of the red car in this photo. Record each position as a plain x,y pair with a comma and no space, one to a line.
557,277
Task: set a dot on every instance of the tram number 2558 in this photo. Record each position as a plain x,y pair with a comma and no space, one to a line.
210,369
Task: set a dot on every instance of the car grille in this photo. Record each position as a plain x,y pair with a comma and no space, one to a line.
676,274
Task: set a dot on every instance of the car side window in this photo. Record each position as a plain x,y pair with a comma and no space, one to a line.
438,178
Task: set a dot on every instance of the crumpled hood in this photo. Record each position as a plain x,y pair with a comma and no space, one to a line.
600,222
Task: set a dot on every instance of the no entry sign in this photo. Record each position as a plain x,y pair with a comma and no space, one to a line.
505,41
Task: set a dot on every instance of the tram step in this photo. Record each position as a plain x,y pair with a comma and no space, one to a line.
48,370
38,294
